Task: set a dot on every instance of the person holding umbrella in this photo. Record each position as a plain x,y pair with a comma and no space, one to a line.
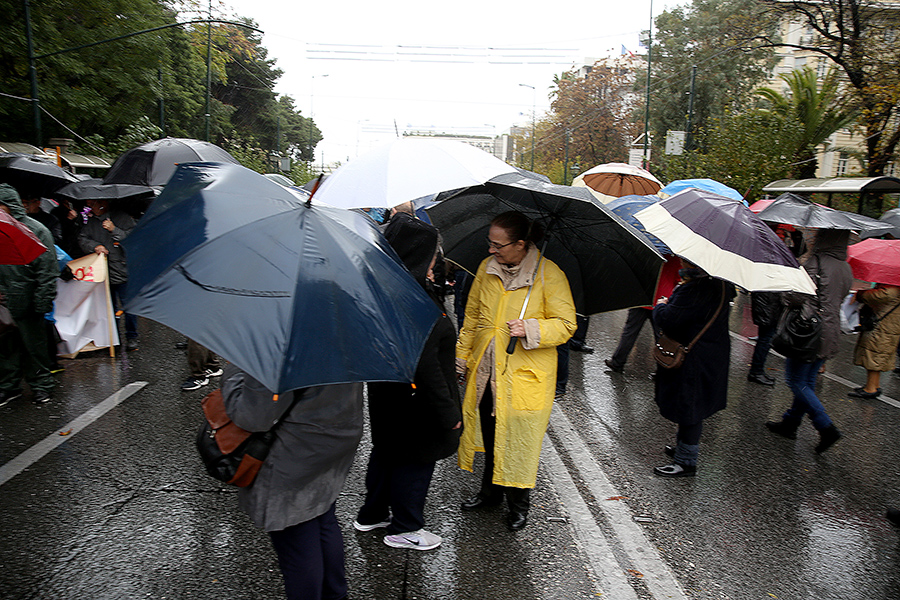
519,310
28,291
293,496
399,472
876,349
827,265
697,310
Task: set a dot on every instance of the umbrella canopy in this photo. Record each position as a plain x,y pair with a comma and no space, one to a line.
709,185
18,244
893,218
296,295
614,180
726,240
760,205
153,163
626,207
407,169
32,176
586,240
793,210
876,260
134,199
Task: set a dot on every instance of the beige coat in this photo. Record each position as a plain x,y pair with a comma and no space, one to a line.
523,382
876,350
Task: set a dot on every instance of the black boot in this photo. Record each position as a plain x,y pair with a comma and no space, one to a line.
827,438
785,428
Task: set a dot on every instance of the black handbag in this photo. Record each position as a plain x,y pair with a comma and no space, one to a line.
867,318
230,453
797,336
670,354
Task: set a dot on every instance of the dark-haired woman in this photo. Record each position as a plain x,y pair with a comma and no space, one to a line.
509,396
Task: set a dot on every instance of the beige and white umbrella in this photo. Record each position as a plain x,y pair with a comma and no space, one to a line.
614,180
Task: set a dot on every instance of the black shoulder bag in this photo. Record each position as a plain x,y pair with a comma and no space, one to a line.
799,331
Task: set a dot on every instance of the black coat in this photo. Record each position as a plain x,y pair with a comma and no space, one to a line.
699,388
414,423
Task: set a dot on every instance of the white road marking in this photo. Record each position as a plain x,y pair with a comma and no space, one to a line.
66,432
643,556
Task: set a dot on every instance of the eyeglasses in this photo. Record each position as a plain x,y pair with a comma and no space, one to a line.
497,246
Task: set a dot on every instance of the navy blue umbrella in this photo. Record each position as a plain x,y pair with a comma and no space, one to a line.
296,295
626,206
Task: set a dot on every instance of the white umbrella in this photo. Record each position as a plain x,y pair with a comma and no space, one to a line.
407,169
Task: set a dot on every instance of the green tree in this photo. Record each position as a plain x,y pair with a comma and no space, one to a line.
704,34
743,150
818,109
860,37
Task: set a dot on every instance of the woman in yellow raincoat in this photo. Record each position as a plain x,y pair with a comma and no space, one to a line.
509,396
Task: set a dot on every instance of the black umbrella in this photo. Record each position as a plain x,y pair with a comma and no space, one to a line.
609,264
134,199
32,176
791,209
154,163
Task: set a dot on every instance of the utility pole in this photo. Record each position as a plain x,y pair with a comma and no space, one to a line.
687,145
566,165
208,65
645,161
32,73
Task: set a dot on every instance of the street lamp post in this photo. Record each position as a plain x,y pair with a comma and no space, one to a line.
312,151
533,104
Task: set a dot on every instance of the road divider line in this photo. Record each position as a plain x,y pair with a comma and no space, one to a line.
642,554
606,569
66,432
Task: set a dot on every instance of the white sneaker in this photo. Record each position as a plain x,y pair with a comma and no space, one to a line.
214,372
360,527
416,540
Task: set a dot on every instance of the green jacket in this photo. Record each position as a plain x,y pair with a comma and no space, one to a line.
28,289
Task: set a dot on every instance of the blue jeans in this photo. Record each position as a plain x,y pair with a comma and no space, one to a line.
761,350
801,378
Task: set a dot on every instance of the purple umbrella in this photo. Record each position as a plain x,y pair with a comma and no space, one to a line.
726,240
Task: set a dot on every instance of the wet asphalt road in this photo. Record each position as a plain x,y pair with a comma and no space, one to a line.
120,507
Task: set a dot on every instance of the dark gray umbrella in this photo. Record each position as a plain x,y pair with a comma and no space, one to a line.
891,217
154,163
32,176
791,209
609,264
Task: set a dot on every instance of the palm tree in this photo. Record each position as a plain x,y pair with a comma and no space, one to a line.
818,109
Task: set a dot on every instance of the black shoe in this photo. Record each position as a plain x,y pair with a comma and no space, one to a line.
862,393
783,428
41,398
181,345
761,378
670,451
675,470
612,366
893,515
131,344
479,501
516,521
581,348
7,396
827,438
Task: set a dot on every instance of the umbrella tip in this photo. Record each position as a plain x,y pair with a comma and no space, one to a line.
315,187
274,397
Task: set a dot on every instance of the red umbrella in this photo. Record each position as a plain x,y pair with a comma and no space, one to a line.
876,260
18,244
758,206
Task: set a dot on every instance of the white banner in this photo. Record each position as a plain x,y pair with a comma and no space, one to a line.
83,309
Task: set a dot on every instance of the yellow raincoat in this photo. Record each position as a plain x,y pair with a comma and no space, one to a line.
524,382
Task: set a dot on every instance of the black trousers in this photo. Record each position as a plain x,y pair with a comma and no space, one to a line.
397,489
518,499
311,557
634,322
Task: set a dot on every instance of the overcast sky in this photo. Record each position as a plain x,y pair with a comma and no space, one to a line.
367,69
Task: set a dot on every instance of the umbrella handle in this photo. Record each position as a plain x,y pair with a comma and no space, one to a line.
511,347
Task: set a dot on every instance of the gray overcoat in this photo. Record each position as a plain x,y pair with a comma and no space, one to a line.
312,453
